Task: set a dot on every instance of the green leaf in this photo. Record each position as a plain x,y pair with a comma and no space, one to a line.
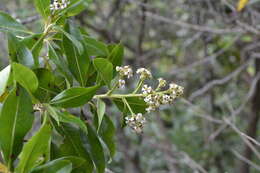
73,145
137,105
43,7
95,48
34,43
4,76
101,108
66,117
15,121
116,55
19,52
96,150
61,64
71,38
76,6
78,165
46,87
74,97
11,25
104,68
78,62
107,133
25,77
52,166
65,169
34,149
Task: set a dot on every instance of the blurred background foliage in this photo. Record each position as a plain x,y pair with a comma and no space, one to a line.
208,47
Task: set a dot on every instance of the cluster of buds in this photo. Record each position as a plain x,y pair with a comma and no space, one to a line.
154,99
125,71
59,4
136,122
144,73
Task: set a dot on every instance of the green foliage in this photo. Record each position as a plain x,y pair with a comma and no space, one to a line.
74,97
8,24
42,7
58,68
25,77
15,121
35,150
104,69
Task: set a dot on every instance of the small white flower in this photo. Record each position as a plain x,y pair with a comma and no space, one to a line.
121,83
147,89
125,71
173,86
162,83
59,4
148,99
136,122
144,73
166,99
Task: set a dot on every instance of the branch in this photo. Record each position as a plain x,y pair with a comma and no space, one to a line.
216,82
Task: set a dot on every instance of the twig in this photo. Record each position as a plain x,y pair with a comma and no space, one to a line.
249,162
216,82
238,110
249,144
193,26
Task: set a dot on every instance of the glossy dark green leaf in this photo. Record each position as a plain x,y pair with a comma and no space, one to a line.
116,55
7,23
78,165
4,76
72,145
43,7
101,108
18,52
34,43
61,64
104,68
74,97
95,48
25,77
54,166
66,169
34,149
137,104
96,150
107,133
78,62
16,120
46,88
66,117
76,43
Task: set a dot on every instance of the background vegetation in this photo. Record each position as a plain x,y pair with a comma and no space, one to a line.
208,47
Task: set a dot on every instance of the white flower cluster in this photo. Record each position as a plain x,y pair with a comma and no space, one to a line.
155,99
144,73
136,122
125,71
59,4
